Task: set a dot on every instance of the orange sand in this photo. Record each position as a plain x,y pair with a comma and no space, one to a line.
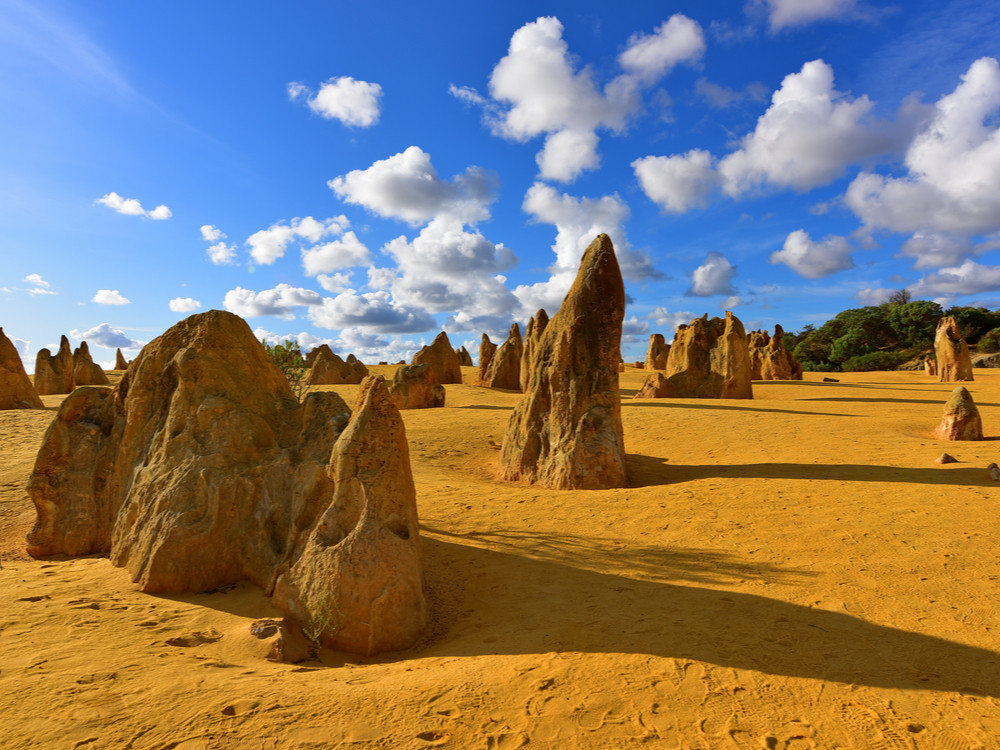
789,572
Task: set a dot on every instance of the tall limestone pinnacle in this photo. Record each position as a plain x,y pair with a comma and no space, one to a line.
566,433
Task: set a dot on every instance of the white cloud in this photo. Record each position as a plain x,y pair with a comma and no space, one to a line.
873,296
278,301
406,186
953,179
110,297
714,276
354,103
968,278
336,283
346,252
814,260
39,285
806,138
677,40
184,304
211,233
936,249
677,183
731,302
374,311
267,245
568,153
669,321
633,326
222,254
788,13
578,221
132,207
106,336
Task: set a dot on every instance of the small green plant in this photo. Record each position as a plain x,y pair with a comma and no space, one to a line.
288,358
990,342
325,616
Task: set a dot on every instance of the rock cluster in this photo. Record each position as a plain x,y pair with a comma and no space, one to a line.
441,356
329,369
85,370
566,432
769,359
961,420
708,359
415,387
532,333
54,374
656,354
504,370
200,469
16,390
464,358
954,362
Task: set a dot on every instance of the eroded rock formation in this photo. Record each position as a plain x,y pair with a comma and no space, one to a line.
415,387
961,420
120,363
85,370
16,390
329,369
708,359
954,362
566,432
200,469
54,374
441,356
504,370
930,367
656,354
486,351
532,333
464,358
769,359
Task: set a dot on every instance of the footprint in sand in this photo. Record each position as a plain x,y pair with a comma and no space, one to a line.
195,639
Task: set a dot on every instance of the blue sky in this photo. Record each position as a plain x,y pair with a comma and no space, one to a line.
368,174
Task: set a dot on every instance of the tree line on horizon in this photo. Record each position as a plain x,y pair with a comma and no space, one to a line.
885,336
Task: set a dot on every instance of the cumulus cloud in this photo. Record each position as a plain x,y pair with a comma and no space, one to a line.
211,233
267,245
375,311
872,296
952,184
336,282
219,252
790,13
578,221
669,321
184,304
354,103
714,276
649,57
106,336
806,138
968,278
814,260
39,286
278,301
132,207
110,297
537,89
346,252
406,186
677,183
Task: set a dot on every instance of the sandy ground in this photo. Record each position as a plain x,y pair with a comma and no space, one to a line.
789,572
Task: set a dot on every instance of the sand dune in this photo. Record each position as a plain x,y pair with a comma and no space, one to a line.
789,572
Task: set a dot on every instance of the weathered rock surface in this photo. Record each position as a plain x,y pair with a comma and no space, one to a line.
486,351
532,333
357,582
464,358
54,374
710,359
85,370
656,354
415,387
329,369
930,368
566,432
769,359
441,356
505,365
16,390
757,342
946,458
656,385
120,363
961,420
954,362
200,469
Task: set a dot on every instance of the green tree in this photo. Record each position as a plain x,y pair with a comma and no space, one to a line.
288,358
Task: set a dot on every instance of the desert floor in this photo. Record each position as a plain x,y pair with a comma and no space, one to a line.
793,571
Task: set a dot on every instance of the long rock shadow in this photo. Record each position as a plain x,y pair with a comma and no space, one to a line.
562,607
707,403
649,471
939,401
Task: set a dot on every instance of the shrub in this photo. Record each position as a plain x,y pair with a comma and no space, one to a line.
990,341
874,361
288,359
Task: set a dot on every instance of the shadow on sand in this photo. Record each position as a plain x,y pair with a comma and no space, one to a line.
558,606
711,403
649,471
